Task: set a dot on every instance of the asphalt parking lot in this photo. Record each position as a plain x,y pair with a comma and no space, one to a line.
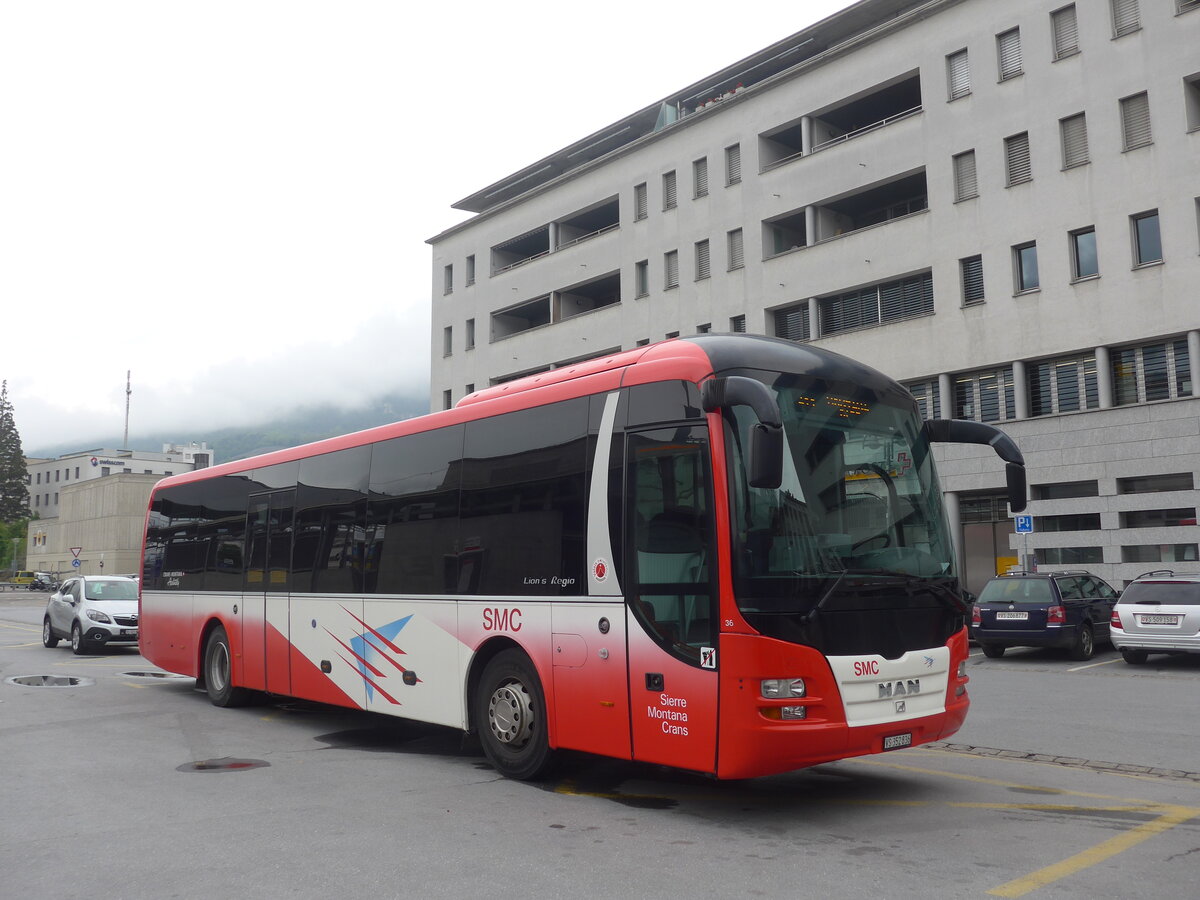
1068,780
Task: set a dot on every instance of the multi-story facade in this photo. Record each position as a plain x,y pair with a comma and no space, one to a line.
996,203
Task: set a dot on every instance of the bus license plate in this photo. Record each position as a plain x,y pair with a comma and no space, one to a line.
896,741
1158,620
1022,616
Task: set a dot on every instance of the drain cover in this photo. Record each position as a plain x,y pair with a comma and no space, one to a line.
153,675
224,764
49,681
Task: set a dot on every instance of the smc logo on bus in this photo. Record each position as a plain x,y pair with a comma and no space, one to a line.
501,619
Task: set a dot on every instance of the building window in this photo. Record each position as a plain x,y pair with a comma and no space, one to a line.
887,302
1063,385
470,334
700,177
1159,518
792,323
470,270
1147,243
470,389
447,401
1016,159
57,473
704,329
1072,522
1126,17
1074,140
1025,266
1065,490
972,279
1008,51
928,397
733,164
737,324
77,472
670,198
642,278
640,206
1191,97
670,269
1135,121
966,185
1065,29
448,280
985,396
1070,556
736,257
1084,263
447,340
1182,6
671,334
702,265
1151,372
1154,484
958,74
1159,553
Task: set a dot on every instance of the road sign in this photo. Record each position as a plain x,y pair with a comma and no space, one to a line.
75,551
1024,524
74,564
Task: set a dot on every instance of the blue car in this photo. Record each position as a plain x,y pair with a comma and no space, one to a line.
1070,610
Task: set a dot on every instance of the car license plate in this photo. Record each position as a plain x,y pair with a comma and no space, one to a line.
1022,616
896,741
1158,620
129,632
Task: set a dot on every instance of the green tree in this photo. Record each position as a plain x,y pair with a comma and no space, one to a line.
14,477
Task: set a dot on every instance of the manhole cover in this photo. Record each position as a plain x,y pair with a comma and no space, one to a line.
153,675
49,681
224,764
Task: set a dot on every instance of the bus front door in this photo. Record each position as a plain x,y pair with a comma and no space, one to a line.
671,599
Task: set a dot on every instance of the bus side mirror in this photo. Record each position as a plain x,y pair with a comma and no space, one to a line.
962,431
1017,491
766,435
766,456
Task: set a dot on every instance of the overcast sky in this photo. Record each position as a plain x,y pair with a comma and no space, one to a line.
232,199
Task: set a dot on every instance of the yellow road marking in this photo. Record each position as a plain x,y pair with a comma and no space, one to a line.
1106,662
1171,817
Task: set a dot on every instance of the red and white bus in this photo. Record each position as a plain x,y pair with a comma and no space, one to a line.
724,553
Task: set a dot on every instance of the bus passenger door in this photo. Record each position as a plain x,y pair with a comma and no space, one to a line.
671,599
264,616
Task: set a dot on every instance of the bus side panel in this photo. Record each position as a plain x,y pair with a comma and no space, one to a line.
167,635
591,689
410,660
322,659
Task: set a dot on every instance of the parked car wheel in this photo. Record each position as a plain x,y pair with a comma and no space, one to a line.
1085,643
49,638
993,651
1134,657
78,645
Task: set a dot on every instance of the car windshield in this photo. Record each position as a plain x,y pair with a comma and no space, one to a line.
1168,593
110,590
1016,590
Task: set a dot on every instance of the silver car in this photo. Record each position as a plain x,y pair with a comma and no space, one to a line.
1158,613
92,610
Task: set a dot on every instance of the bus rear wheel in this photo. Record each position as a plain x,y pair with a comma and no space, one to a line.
510,715
218,672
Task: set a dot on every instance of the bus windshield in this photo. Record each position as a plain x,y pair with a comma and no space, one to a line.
857,522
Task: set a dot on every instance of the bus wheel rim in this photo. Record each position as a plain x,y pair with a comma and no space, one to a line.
510,715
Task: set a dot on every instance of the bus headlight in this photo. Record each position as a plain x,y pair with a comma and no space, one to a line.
783,688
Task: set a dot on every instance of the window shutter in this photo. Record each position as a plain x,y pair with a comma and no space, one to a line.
736,256
1075,142
640,209
1009,45
670,198
733,164
965,183
791,323
972,280
702,267
1126,17
700,177
737,324
959,74
671,266
1066,32
1135,121
1016,155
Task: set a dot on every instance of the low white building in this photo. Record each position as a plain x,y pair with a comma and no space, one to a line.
998,204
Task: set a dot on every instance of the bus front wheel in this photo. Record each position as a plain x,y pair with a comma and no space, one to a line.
218,672
510,715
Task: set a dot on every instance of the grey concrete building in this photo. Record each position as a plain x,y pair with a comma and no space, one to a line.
997,204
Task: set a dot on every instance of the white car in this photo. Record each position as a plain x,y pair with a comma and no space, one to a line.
1158,613
92,610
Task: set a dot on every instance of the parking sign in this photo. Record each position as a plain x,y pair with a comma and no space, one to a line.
1024,524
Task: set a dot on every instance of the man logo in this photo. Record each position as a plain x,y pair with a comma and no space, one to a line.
900,706
899,688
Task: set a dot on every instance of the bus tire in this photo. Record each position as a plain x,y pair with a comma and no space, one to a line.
49,638
218,672
510,716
